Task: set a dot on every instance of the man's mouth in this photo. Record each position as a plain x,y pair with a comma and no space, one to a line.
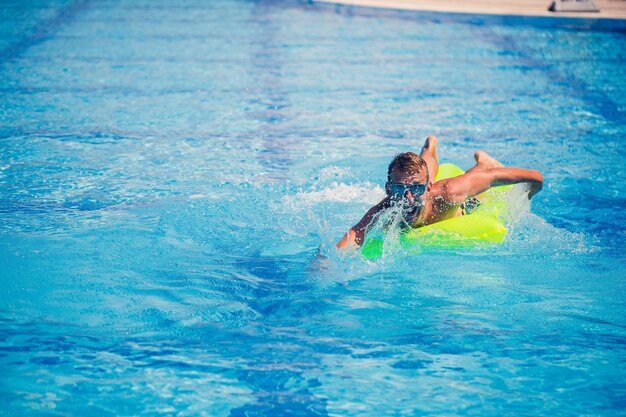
411,213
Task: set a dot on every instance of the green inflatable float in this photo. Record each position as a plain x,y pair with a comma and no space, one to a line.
484,225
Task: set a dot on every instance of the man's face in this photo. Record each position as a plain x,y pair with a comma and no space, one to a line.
411,201
411,194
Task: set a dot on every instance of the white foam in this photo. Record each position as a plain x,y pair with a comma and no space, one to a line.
333,172
338,192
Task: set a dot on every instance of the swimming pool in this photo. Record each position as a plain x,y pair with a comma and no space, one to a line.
168,174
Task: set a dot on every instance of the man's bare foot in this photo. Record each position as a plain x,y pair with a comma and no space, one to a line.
431,146
485,161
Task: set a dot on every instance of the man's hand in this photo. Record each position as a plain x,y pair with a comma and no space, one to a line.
534,188
350,240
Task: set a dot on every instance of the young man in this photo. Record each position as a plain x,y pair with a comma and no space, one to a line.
410,183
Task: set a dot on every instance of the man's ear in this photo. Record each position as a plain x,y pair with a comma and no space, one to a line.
387,189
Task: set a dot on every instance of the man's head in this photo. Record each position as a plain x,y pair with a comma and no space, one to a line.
407,180
407,169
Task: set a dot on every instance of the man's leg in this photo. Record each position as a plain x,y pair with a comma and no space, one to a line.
429,154
484,161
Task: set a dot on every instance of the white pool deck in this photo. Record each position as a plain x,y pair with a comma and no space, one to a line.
609,9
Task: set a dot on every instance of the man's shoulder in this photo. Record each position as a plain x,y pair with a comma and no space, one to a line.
382,205
442,187
372,212
444,191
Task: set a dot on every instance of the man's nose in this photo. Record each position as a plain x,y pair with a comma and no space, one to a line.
409,195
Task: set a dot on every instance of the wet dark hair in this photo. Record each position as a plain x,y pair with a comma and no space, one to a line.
408,163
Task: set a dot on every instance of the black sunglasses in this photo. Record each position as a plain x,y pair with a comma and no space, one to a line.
399,190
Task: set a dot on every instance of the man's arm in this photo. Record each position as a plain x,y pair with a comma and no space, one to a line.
458,189
355,236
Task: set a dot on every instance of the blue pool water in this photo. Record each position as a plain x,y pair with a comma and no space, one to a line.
169,172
